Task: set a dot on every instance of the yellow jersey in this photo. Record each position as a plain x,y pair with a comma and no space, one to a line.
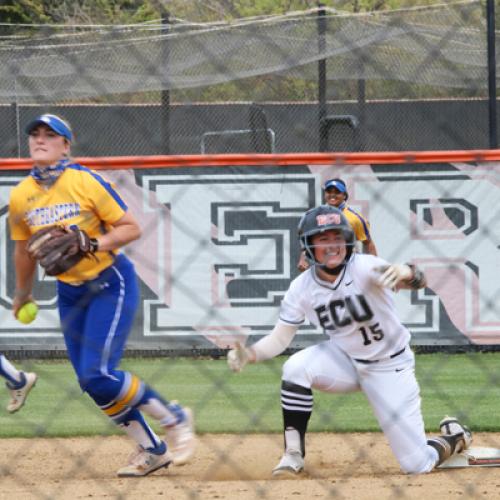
79,197
359,224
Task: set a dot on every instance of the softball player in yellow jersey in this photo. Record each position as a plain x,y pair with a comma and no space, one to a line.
97,298
336,195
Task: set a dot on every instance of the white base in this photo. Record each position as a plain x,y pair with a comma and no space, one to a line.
473,457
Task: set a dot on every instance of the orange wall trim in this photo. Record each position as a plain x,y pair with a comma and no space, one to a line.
173,161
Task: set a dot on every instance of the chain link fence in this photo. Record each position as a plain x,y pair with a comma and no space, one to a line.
414,79
219,246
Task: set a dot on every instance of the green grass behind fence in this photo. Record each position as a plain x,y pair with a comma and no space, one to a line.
464,385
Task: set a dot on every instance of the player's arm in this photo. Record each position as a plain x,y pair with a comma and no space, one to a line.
25,268
266,348
123,231
111,208
361,228
369,247
401,276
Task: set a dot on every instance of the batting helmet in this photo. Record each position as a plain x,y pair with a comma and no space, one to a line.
318,220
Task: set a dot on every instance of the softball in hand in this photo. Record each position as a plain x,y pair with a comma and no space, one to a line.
27,313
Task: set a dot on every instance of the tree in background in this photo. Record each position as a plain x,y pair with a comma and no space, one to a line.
22,12
137,11
299,86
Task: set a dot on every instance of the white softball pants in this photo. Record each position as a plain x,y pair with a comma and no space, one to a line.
390,386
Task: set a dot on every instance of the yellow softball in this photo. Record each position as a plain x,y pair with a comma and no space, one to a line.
27,313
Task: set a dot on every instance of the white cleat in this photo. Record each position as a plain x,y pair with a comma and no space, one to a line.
181,438
18,396
450,426
291,464
143,462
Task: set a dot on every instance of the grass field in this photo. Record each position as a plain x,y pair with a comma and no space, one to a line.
464,385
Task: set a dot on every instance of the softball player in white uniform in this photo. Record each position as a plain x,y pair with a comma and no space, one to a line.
350,296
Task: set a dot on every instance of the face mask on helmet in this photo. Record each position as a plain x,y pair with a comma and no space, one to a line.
319,220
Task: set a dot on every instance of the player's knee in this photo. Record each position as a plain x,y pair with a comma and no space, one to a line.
296,373
91,384
417,470
413,469
100,388
420,462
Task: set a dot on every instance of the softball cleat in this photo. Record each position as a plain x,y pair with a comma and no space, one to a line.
181,438
143,462
291,464
450,426
18,396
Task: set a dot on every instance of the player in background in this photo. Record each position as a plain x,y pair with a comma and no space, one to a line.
336,195
18,383
350,296
98,297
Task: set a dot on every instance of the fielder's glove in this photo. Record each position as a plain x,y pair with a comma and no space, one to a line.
238,357
58,248
393,275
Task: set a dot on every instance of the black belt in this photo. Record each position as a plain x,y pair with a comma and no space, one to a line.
369,361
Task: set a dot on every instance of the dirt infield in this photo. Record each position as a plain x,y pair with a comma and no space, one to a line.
228,467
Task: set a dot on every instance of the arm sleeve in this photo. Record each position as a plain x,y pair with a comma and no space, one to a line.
274,343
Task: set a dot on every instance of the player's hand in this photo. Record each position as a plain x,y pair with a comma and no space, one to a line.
19,301
238,357
303,264
392,275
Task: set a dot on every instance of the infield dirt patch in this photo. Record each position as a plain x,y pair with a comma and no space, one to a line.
232,467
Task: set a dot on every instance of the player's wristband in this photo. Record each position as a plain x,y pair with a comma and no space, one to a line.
418,281
94,245
22,293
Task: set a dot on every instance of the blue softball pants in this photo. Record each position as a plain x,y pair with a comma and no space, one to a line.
96,319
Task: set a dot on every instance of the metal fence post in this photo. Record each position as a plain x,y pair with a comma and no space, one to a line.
323,131
165,93
492,74
16,149
360,136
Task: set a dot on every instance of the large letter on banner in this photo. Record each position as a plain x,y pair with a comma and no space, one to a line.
446,220
230,253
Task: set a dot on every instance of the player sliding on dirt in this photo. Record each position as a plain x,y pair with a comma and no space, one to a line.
350,296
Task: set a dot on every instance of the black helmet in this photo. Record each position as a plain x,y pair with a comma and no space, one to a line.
321,219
